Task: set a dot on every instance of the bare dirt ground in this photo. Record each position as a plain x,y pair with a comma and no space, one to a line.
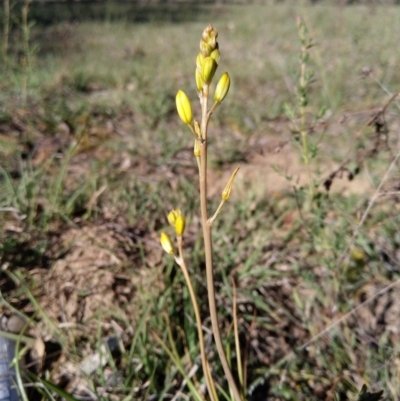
91,269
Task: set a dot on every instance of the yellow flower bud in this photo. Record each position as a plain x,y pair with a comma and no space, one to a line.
184,107
180,224
209,36
205,48
196,148
222,88
215,55
166,243
208,70
227,191
199,61
172,215
199,81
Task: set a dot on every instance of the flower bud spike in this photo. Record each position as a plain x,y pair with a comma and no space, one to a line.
227,191
166,243
208,70
180,225
184,107
222,87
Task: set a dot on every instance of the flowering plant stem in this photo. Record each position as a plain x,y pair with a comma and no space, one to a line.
207,225
206,65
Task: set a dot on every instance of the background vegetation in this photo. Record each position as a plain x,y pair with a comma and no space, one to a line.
93,156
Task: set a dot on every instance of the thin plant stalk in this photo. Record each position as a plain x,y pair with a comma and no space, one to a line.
237,342
206,224
303,83
206,65
207,373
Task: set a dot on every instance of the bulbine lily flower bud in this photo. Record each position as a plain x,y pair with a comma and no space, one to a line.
215,55
180,225
205,48
199,61
222,87
172,215
208,70
227,191
166,243
199,80
196,148
184,107
208,40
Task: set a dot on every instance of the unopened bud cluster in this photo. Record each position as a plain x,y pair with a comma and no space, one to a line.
207,61
208,58
178,221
